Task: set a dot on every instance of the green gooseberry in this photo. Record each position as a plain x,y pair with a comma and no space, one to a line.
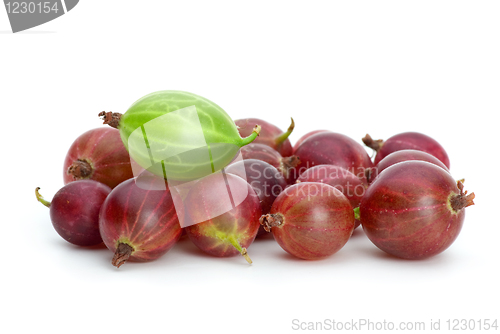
179,135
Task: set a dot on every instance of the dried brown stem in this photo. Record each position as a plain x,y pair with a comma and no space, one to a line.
271,220
110,118
462,200
374,144
80,169
123,252
370,174
288,163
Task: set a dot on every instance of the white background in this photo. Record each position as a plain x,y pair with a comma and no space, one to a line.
354,67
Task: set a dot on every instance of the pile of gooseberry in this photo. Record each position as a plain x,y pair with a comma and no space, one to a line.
310,196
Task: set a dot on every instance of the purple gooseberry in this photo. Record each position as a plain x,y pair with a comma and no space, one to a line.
310,220
407,140
414,210
405,155
330,148
74,211
98,154
349,184
137,222
304,137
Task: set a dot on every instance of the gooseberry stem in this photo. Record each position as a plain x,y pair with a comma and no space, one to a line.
374,144
281,138
288,163
245,255
240,249
271,220
122,254
40,198
462,200
111,118
253,135
80,169
356,213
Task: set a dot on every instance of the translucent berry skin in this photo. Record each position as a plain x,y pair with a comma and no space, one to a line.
202,135
304,137
269,135
103,149
74,211
318,220
142,218
330,148
405,155
413,141
221,236
406,211
346,182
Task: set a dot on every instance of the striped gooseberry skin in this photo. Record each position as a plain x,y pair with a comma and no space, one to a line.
330,148
406,211
342,179
103,149
405,155
141,218
180,135
227,234
269,134
316,220
414,141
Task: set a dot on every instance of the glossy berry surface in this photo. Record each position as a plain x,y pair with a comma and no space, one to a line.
179,135
405,155
310,220
224,213
74,211
346,182
137,222
414,210
330,148
261,152
99,155
304,137
407,140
